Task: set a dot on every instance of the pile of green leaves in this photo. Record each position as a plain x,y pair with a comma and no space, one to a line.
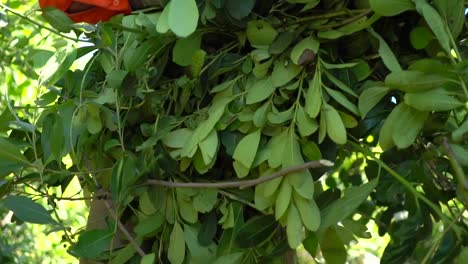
221,90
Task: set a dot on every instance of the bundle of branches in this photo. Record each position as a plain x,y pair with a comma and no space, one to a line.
233,131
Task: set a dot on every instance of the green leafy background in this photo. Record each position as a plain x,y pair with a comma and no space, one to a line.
195,93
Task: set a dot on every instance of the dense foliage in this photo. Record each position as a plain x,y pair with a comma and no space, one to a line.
360,108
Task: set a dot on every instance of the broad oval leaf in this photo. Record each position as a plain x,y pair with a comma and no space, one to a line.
255,231
10,152
309,43
92,243
260,33
391,7
260,90
239,9
407,125
309,211
27,210
432,100
176,251
294,229
313,97
183,17
414,81
369,98
283,72
247,148
283,199
343,207
335,127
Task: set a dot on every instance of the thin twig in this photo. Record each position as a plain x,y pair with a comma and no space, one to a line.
246,183
114,215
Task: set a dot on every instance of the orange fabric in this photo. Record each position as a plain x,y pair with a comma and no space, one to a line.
103,10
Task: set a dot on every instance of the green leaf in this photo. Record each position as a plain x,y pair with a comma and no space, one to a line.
420,37
310,150
57,66
335,127
294,230
453,12
209,147
277,145
282,42
432,100
149,224
292,156
93,118
277,118
342,100
27,210
233,258
309,211
391,7
386,132
208,229
92,243
260,33
183,17
255,231
457,134
369,98
311,243
204,128
176,250
346,205
57,19
11,152
246,150
224,85
187,210
240,169
198,252
348,29
239,9
185,48
177,138
260,116
205,200
309,43
407,125
344,87
162,25
414,81
304,123
461,154
260,90
435,22
283,199
148,259
283,72
313,97
332,247
386,53
116,77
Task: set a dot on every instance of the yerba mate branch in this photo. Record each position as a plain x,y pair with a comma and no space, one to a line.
245,183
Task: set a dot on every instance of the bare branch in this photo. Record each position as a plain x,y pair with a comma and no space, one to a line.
246,183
